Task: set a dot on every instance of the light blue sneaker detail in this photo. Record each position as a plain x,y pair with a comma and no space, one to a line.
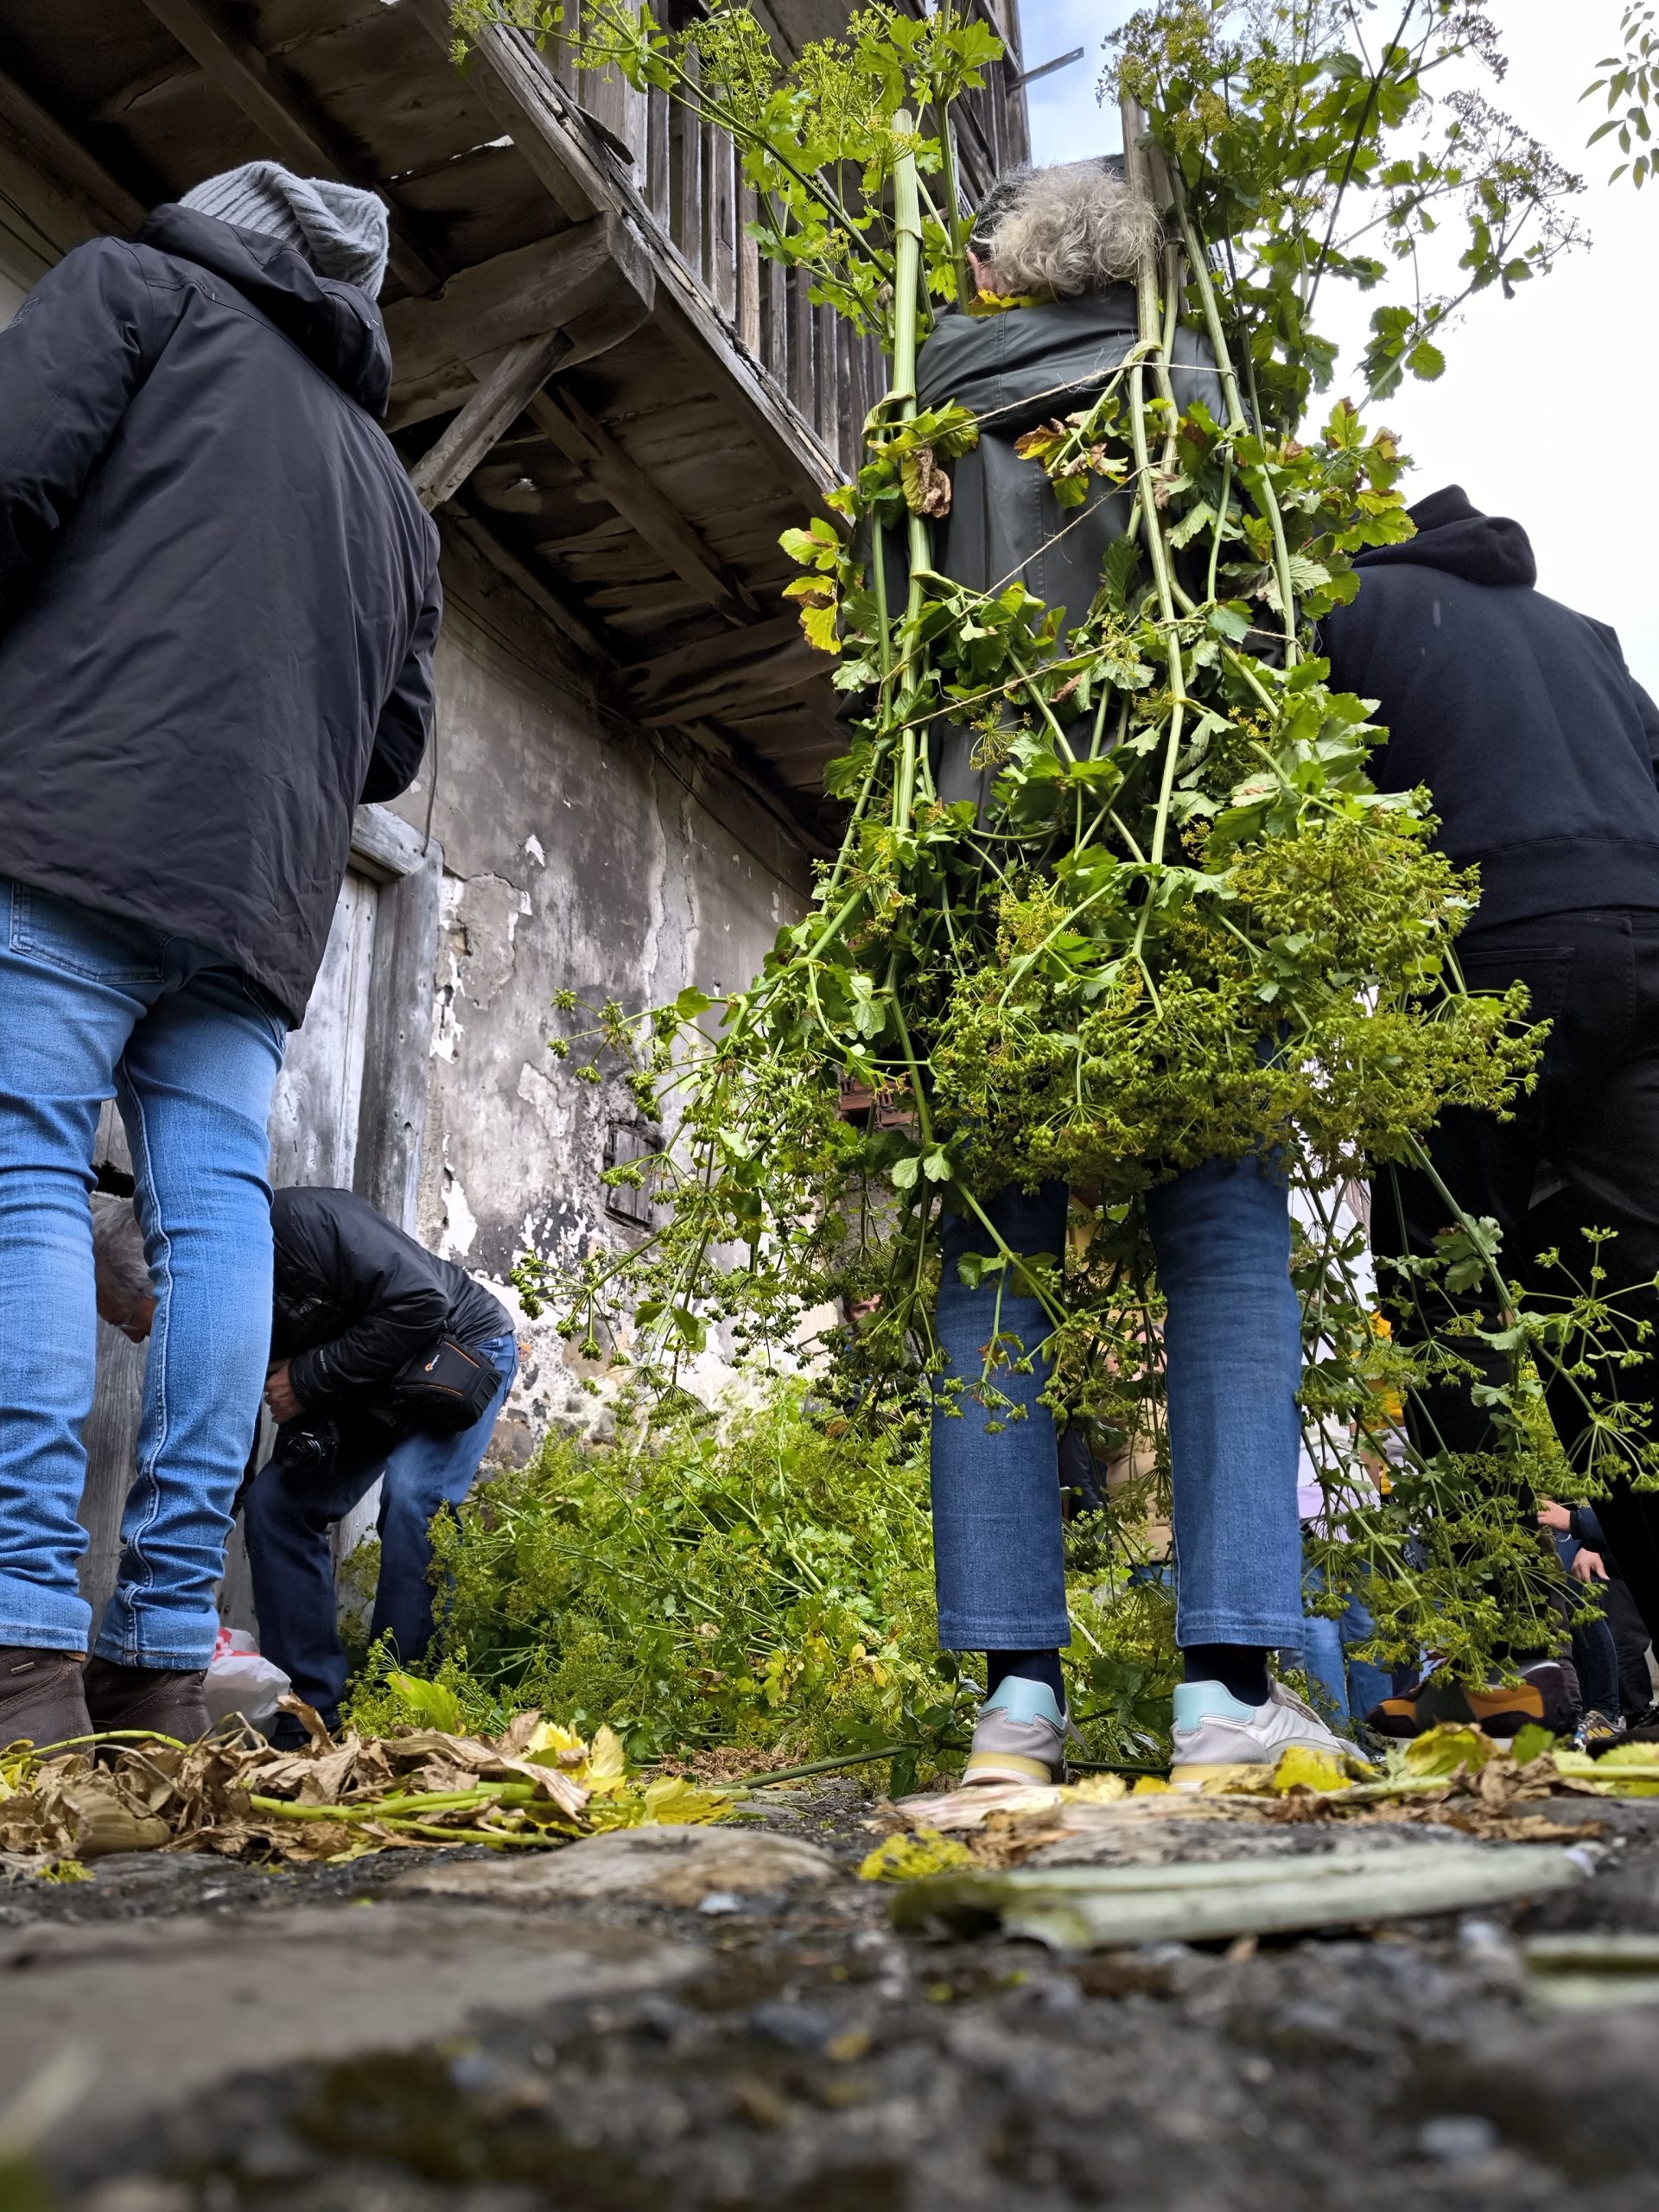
1025,1700
1197,1701
1019,1736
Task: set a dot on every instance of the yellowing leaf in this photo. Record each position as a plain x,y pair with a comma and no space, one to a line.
1453,1748
1304,1767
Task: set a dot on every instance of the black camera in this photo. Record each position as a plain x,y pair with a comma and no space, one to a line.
309,1448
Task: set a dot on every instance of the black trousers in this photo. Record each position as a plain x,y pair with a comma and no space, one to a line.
1581,1151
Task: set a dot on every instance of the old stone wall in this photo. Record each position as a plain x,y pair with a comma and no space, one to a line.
581,853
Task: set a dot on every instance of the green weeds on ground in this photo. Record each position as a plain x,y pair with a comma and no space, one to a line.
758,1583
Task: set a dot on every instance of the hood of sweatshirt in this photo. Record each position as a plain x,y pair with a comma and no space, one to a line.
334,324
1455,536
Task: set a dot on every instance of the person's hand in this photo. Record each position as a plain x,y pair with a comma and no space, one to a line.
1589,1569
1551,1516
279,1394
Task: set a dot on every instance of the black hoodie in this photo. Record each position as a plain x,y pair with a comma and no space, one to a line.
219,594
1519,716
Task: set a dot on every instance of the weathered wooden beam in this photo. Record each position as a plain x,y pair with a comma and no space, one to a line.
521,92
536,589
637,499
510,78
721,675
502,396
303,143
107,202
592,281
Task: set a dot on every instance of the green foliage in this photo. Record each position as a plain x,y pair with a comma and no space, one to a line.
763,1579
1309,142
1631,84
1185,925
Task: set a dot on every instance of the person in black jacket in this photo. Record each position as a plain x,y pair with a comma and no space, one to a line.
359,1311
1539,750
218,599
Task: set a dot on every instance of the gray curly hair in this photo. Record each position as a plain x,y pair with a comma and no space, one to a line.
1074,228
118,1247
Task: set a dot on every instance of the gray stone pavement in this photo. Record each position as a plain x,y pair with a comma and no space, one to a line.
728,2023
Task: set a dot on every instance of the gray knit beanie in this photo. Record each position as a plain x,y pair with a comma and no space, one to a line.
340,229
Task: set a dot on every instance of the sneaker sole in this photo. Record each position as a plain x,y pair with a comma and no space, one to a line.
1192,1775
1005,1766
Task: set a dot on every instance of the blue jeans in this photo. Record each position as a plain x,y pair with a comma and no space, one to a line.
287,1522
1355,1686
1233,1341
92,1007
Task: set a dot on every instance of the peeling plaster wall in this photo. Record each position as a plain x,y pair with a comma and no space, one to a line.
581,854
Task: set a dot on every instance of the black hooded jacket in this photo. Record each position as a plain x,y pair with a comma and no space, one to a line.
356,1300
218,594
1520,716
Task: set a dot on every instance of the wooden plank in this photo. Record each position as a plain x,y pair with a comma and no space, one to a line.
86,180
801,350
743,666
723,208
498,401
776,321
392,1121
386,847
656,155
239,68
540,594
748,271
687,187
634,495
518,87
593,282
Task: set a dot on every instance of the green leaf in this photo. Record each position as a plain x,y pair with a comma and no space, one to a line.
691,1003
1425,360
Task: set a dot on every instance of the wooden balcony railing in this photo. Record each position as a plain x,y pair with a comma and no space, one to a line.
687,173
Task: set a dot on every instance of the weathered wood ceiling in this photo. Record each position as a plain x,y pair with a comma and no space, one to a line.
595,379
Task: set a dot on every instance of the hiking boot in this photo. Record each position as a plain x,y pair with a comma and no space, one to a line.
167,1700
1547,1696
42,1699
1019,1737
1214,1730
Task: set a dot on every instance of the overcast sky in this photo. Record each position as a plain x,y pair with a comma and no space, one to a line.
1542,412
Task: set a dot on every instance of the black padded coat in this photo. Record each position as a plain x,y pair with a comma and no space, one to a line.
356,1300
219,594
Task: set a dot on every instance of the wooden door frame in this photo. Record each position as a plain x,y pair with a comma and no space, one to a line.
392,1120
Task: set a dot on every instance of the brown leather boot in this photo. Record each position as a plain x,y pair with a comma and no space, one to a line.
41,1698
167,1700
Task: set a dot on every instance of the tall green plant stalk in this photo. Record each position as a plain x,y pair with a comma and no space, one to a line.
1180,853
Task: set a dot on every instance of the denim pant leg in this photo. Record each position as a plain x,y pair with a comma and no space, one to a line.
1233,1342
1368,1683
998,1551
424,1473
195,1088
73,985
286,1518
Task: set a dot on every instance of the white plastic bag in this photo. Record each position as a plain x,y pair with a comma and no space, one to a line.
239,1681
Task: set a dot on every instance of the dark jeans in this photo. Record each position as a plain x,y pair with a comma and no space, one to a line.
1586,1139
288,1518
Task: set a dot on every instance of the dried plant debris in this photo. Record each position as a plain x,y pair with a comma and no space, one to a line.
536,1785
1453,1776
1085,1908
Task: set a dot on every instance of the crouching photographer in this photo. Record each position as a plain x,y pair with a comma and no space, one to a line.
388,1364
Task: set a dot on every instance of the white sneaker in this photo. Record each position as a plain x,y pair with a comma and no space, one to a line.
1215,1729
1020,1736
